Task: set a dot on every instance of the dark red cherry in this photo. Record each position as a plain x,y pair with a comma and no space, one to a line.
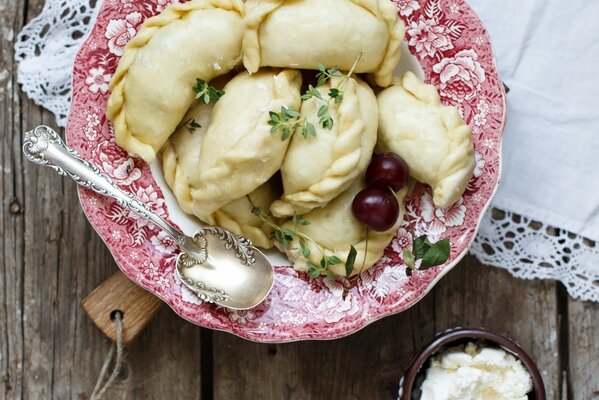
376,207
388,169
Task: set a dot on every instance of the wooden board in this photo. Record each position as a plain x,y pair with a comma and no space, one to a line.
583,355
52,259
118,294
368,365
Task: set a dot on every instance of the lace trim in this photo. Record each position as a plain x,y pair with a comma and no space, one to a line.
45,50
531,249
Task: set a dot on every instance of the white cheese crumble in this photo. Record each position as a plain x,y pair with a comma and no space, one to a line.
474,373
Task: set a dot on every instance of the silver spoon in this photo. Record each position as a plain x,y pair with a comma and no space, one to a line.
220,267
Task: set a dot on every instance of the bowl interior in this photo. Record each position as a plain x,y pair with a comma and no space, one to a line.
416,371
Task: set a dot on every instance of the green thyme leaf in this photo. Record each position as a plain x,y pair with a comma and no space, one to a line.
325,74
311,92
313,274
257,211
302,220
351,260
437,254
334,260
336,95
303,248
205,92
308,130
191,125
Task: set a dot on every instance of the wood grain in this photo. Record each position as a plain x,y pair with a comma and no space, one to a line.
368,364
583,374
119,294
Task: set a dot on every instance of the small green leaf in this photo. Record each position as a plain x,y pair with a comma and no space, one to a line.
336,94
303,221
313,274
351,260
324,262
331,275
304,249
420,247
408,258
437,254
274,116
334,260
291,112
257,211
288,232
286,134
310,128
323,110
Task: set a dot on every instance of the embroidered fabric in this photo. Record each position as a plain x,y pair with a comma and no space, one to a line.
528,249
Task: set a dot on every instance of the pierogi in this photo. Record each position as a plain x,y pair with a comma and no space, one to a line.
432,138
239,153
334,229
180,158
303,33
152,88
318,168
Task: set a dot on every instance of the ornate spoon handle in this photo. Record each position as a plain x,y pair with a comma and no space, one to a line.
44,146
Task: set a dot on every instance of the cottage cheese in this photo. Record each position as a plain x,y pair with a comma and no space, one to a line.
473,373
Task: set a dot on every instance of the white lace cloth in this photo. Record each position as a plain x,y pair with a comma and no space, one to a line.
527,247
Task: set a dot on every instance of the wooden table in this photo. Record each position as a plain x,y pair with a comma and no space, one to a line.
52,259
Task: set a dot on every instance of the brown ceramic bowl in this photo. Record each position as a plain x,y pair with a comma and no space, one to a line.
411,380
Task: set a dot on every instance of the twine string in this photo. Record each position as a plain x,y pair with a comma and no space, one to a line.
106,378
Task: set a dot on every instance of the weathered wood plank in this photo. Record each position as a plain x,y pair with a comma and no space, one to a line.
368,365
52,259
164,363
11,212
526,311
583,374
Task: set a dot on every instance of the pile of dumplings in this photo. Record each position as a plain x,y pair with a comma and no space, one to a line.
230,163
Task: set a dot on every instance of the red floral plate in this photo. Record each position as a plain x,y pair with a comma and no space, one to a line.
445,38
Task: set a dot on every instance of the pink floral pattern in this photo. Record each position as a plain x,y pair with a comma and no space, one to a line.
456,56
461,76
97,80
120,31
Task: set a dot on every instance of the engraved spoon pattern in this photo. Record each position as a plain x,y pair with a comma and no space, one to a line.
219,266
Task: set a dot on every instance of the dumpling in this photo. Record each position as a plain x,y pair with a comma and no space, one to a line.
239,151
180,155
317,169
180,158
303,33
335,230
152,88
432,138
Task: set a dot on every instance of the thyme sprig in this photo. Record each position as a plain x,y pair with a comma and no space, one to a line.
191,125
285,236
288,120
206,93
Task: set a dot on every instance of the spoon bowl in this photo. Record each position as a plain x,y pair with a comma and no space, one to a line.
233,273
